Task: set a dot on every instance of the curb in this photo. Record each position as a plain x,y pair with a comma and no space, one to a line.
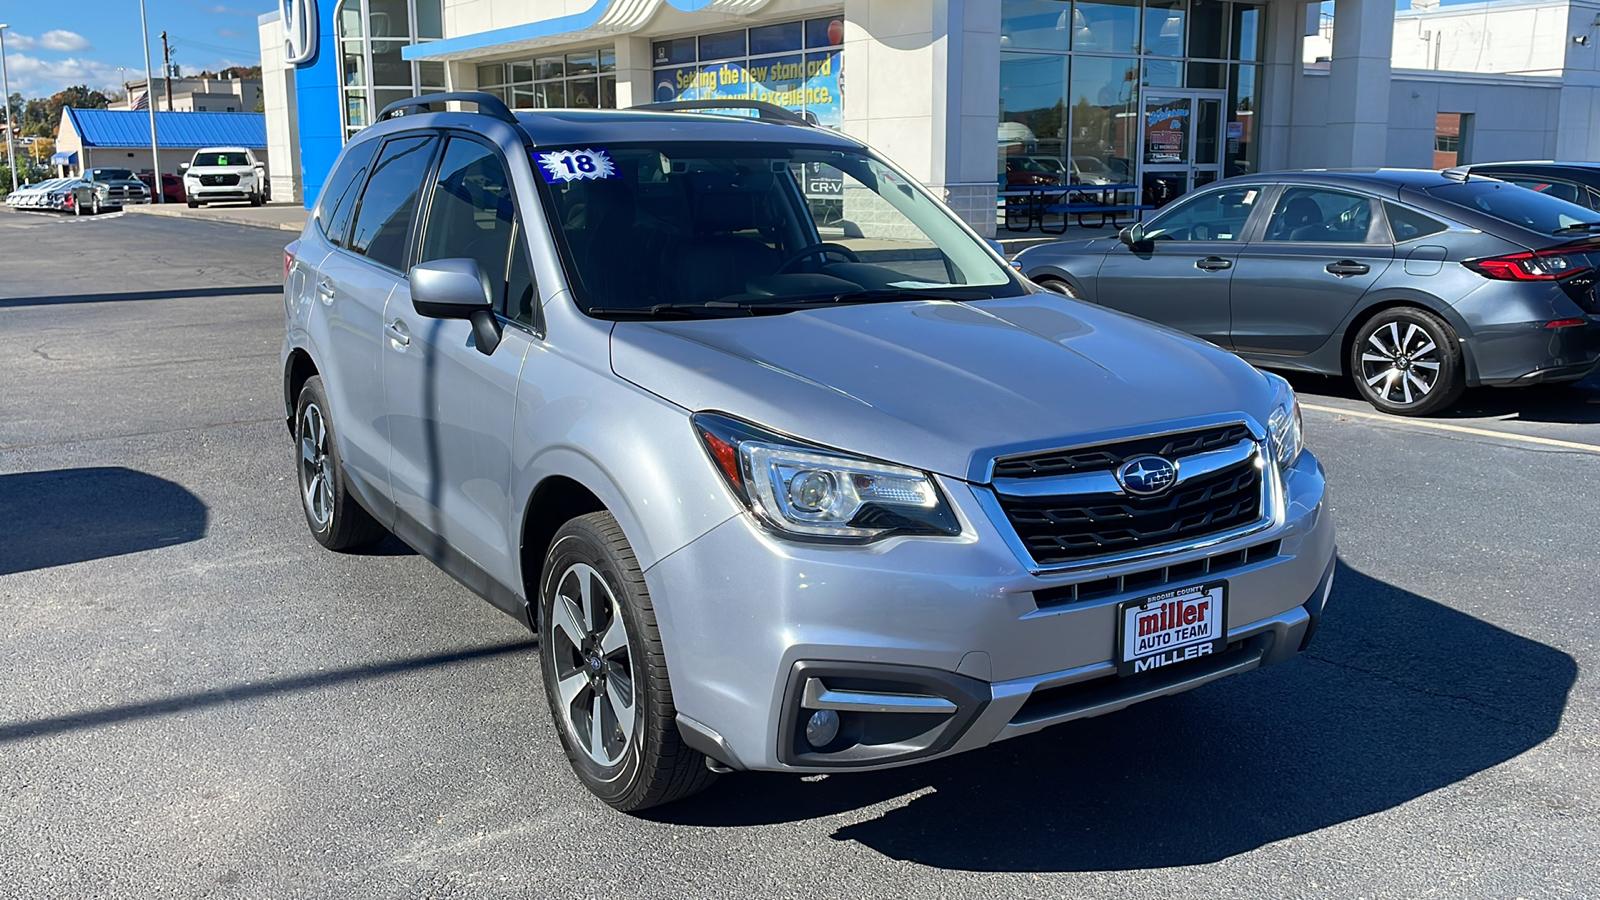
175,211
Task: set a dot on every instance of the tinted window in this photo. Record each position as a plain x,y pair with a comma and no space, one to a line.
1213,216
1558,189
389,202
340,192
1408,223
472,215
1314,214
1509,203
221,159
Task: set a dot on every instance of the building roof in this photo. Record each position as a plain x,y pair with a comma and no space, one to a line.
131,128
550,127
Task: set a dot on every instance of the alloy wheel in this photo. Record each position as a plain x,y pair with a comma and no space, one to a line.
1400,362
316,486
588,642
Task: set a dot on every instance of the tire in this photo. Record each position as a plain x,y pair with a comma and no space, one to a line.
77,207
1393,355
193,203
336,520
95,207
1057,286
255,199
638,764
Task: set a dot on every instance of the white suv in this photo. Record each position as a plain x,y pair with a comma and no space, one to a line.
224,173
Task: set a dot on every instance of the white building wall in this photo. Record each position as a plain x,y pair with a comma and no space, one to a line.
283,122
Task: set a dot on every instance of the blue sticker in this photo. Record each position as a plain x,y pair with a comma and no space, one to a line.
561,166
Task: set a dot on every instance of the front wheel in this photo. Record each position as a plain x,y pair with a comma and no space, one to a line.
1057,286
1407,362
605,674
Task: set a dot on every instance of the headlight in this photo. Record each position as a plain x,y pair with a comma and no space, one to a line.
1285,425
812,492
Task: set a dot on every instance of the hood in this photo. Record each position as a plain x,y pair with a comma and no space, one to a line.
939,385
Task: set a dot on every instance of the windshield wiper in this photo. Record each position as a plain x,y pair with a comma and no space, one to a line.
669,310
1580,228
872,295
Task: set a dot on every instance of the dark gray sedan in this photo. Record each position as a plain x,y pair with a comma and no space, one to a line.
1413,283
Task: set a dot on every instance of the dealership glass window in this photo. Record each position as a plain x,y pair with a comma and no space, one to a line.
1208,29
1104,96
1248,37
583,79
1036,24
1240,154
1163,27
1447,140
809,83
1033,110
1106,26
373,73
1163,73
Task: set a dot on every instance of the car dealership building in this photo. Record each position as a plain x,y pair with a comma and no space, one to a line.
1166,95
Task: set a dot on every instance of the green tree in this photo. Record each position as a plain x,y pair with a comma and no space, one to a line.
78,97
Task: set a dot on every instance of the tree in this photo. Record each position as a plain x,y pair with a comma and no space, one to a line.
78,97
43,149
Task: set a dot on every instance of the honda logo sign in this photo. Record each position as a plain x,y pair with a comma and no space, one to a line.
300,30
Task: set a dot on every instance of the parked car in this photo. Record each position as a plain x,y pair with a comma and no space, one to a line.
224,173
53,194
171,187
775,491
1415,284
1027,171
104,189
1574,182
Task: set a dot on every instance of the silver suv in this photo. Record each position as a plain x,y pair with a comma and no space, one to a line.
785,466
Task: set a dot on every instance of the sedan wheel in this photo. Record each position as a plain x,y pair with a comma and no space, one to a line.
1407,362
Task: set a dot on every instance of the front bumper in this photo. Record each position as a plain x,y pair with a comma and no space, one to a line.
750,621
219,192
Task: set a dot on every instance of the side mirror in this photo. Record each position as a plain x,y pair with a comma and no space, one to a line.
1133,235
456,289
996,246
183,165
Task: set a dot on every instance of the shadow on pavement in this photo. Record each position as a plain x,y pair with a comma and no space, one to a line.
1573,404
73,515
1399,696
178,294
33,728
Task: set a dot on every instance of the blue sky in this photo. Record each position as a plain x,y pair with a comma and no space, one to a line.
51,45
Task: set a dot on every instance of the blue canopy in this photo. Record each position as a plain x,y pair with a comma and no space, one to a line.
64,159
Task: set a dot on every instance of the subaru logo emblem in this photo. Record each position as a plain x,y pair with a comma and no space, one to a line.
1146,476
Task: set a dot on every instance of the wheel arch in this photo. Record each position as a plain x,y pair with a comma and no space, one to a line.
297,370
1365,314
555,501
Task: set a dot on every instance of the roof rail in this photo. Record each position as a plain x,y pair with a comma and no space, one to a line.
768,111
488,104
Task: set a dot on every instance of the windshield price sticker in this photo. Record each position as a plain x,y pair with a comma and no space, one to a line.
560,166
1171,627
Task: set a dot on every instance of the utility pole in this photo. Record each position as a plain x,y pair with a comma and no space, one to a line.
158,195
166,68
11,125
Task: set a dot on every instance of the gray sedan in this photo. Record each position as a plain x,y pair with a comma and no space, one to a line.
1415,284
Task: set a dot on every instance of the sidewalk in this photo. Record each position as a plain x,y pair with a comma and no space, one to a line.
282,216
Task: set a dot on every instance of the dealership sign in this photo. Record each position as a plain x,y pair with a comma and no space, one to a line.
299,29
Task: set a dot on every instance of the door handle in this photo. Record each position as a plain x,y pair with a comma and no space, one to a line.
399,333
325,290
1346,267
1213,264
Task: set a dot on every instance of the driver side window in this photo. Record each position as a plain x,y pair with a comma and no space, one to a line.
1212,216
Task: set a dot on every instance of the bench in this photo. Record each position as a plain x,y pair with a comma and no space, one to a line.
1107,214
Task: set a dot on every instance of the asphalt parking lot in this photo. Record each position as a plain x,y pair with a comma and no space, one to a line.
200,702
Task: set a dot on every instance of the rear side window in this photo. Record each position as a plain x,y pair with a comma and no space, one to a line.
389,202
1408,223
1320,216
1532,210
472,214
340,192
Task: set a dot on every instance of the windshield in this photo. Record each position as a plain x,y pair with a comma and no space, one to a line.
111,174
747,226
220,159
1507,202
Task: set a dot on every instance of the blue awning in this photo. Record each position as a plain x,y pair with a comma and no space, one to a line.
64,159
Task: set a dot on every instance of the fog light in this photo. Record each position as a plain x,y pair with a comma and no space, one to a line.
822,728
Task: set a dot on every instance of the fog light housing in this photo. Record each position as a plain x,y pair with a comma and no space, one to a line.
822,728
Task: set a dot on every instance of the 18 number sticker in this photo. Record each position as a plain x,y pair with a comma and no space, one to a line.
576,165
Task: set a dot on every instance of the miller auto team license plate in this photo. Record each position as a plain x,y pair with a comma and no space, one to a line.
1171,627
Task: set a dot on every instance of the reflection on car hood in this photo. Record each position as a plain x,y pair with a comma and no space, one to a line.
940,385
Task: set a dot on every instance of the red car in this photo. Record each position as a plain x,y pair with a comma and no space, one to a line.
171,187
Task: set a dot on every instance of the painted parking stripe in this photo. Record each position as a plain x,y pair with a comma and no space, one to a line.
1458,429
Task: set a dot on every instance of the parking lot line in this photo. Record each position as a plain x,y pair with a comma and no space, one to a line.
1459,429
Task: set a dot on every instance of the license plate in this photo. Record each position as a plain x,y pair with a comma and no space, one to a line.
1171,627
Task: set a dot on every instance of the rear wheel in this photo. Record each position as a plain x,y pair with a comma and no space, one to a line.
605,674
336,520
1057,286
1407,362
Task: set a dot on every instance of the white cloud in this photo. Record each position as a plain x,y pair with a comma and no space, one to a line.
228,33
58,40
34,77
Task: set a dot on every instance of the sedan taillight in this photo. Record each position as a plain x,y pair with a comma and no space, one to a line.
1538,265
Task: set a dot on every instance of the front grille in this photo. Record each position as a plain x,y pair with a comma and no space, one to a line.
219,180
1153,580
1109,456
1067,529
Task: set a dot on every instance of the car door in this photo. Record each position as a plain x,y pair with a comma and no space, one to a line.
351,293
1180,275
452,408
1321,249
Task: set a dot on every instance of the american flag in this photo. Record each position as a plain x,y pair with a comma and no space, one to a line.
143,102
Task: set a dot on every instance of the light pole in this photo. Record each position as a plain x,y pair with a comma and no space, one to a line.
11,125
149,95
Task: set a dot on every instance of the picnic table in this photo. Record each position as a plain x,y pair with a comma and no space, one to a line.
1031,205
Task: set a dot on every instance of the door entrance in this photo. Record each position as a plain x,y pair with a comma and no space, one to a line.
1182,143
